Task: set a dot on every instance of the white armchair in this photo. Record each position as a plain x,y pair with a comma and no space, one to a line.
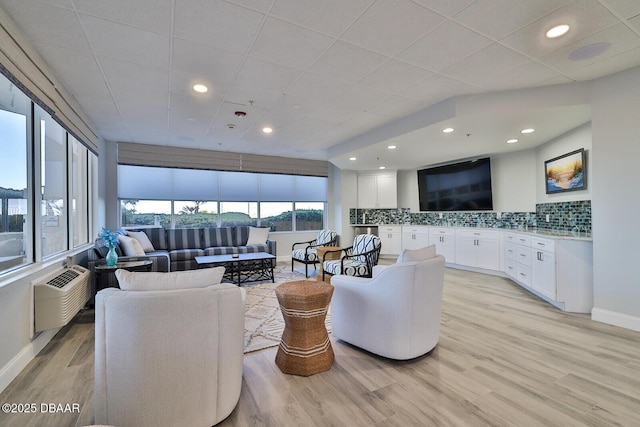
168,357
395,314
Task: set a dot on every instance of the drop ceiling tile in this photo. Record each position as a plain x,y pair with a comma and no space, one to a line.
262,98
183,96
314,87
258,5
48,24
436,88
216,66
620,37
360,97
445,45
389,26
627,9
445,7
135,85
330,17
344,61
78,72
334,113
520,76
397,106
151,15
395,76
216,23
477,68
497,18
635,23
268,75
288,44
126,43
585,17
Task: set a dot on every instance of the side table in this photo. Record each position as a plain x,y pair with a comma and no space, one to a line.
322,250
105,275
305,348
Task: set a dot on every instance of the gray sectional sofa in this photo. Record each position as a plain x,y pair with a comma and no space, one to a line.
176,248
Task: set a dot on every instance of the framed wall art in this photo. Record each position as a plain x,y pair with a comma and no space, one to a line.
566,172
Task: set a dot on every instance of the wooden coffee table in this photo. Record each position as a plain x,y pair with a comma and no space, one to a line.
255,266
305,348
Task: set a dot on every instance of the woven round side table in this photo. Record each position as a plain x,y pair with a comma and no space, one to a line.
305,348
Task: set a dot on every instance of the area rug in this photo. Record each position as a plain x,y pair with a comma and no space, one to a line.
263,322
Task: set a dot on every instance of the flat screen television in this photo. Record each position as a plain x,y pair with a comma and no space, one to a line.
463,186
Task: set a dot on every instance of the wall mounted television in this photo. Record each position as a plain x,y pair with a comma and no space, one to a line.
462,186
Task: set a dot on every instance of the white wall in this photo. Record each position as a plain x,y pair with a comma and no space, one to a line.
513,178
579,137
615,198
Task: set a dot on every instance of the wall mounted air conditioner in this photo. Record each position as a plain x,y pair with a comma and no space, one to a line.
59,296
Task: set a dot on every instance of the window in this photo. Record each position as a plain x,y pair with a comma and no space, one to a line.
136,213
278,216
309,216
238,213
53,146
196,213
16,214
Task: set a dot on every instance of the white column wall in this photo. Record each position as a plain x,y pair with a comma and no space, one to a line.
615,198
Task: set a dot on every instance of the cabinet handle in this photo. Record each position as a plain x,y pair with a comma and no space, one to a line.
523,255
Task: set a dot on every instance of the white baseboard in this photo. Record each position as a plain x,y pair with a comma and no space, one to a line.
11,370
616,319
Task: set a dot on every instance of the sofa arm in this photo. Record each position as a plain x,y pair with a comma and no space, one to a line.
272,247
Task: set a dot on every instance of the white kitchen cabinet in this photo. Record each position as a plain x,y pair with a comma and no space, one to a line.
543,266
558,270
444,239
391,239
478,248
415,237
378,190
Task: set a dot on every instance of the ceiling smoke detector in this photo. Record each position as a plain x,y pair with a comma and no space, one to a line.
240,114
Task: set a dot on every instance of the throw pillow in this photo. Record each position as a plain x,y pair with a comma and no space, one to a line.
409,255
143,239
189,279
130,246
258,235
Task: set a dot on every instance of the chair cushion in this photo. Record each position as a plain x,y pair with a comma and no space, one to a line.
352,267
144,281
409,255
185,254
325,237
299,254
364,243
252,249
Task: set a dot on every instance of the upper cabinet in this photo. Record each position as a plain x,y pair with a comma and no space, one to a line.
378,190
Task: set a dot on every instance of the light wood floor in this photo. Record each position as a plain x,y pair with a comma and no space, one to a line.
504,358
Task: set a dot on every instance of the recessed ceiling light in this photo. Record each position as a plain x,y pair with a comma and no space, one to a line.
392,147
382,167
200,88
528,130
447,130
557,31
512,141
353,158
267,129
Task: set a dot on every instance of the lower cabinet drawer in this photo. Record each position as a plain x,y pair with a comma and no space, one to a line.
511,268
524,275
524,256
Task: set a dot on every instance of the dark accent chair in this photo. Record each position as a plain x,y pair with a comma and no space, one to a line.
358,260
